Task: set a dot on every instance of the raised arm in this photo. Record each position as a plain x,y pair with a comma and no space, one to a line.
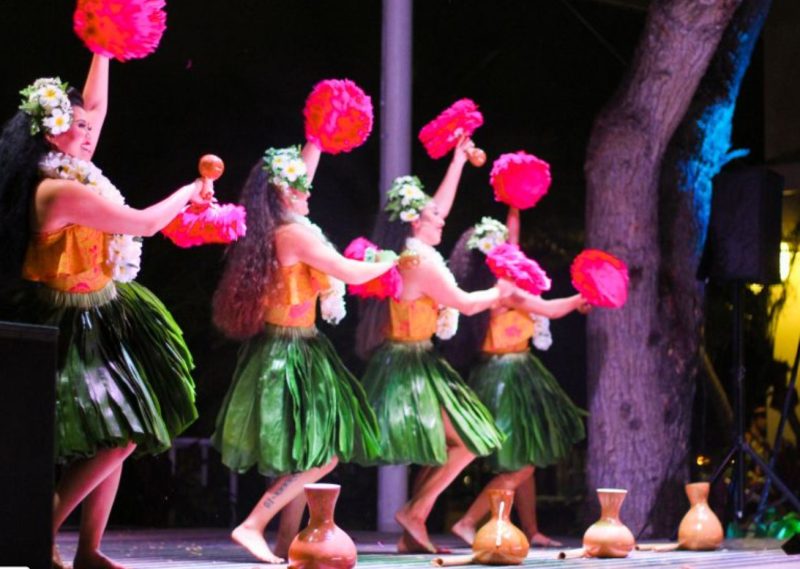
311,155
299,244
553,309
432,281
62,202
446,192
512,223
95,93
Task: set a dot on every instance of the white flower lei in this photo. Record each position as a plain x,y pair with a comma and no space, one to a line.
332,306
124,251
447,320
542,339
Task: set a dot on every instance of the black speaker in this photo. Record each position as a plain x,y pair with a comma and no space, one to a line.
27,409
744,231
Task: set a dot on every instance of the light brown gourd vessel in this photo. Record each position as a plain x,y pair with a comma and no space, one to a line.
322,544
608,536
700,529
499,542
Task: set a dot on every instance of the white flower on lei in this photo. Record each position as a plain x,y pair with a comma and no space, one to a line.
447,319
124,251
542,339
332,306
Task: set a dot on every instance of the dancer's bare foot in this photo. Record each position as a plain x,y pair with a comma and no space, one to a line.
464,530
538,539
58,562
253,541
93,560
417,532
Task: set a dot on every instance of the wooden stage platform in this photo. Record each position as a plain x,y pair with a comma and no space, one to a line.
211,548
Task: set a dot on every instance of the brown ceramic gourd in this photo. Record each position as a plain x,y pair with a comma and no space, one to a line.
499,542
700,528
608,536
322,545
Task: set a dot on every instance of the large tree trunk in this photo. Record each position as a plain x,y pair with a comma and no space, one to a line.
631,425
700,147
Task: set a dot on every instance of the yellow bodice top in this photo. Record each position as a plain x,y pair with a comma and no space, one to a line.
509,332
71,259
412,320
292,298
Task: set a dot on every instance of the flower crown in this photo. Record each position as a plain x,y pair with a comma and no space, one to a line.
286,169
405,199
487,234
47,103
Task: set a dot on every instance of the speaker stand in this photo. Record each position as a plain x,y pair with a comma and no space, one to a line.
740,446
776,447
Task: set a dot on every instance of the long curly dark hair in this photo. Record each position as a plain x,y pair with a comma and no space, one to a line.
20,154
471,272
250,262
374,314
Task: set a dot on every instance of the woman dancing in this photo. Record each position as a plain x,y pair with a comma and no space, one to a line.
293,409
539,420
123,380
427,414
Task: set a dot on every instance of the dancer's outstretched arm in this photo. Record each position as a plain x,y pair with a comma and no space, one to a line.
446,193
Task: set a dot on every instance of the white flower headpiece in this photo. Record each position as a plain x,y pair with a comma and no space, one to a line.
405,199
286,169
47,103
487,234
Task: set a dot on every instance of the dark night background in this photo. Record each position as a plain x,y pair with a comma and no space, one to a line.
231,78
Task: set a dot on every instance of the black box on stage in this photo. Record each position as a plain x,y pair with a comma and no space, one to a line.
744,231
27,408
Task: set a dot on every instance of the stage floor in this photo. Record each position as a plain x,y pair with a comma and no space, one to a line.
211,548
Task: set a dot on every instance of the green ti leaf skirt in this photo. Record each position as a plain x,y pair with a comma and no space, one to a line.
540,421
293,406
124,371
409,385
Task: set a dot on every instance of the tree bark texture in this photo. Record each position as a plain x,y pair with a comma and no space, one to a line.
699,149
631,422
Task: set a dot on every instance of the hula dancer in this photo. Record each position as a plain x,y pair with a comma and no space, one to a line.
293,410
427,414
539,420
123,382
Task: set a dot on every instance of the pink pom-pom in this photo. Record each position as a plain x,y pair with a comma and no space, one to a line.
601,278
441,135
519,179
389,284
508,262
202,224
123,29
338,116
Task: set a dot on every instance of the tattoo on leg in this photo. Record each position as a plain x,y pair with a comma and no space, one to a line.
270,501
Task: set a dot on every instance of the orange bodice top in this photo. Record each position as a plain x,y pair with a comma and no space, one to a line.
509,332
71,259
292,298
412,320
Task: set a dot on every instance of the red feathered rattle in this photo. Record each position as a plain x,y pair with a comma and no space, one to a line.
389,284
601,278
508,262
442,134
212,222
520,179
122,29
338,116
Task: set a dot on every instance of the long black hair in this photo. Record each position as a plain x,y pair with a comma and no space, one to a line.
471,272
250,262
373,314
20,154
